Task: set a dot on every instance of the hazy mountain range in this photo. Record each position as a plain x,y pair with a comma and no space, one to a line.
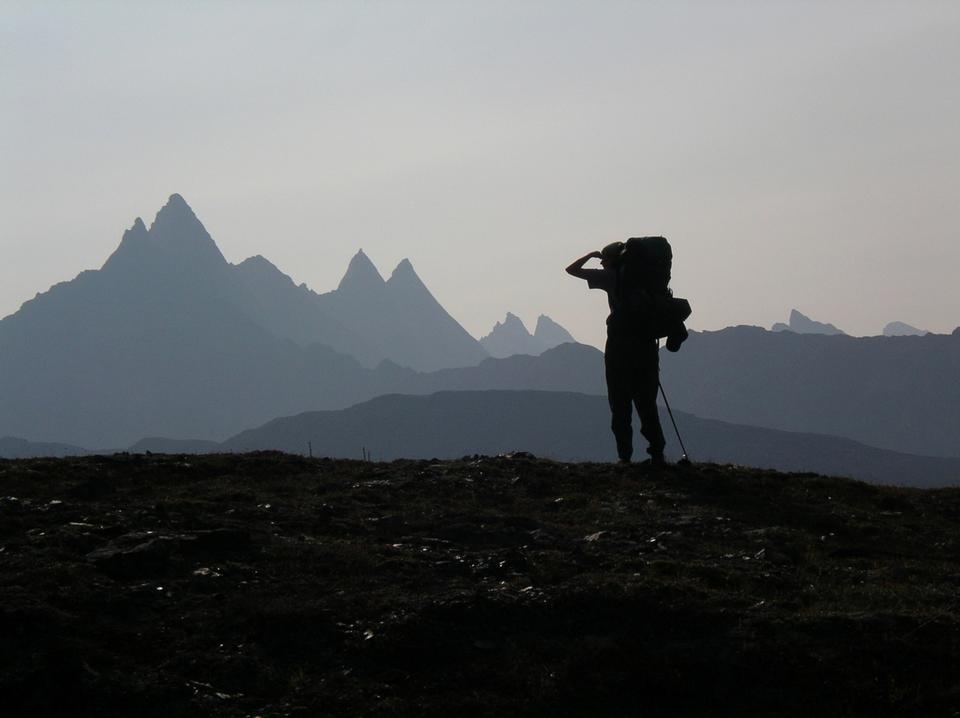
168,339
902,329
511,337
569,427
559,425
802,324
898,393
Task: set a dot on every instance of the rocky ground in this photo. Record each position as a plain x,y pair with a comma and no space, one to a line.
275,585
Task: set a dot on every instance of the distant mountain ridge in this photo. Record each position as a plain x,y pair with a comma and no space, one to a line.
559,425
365,317
512,337
400,317
802,324
902,329
16,448
168,338
568,427
898,393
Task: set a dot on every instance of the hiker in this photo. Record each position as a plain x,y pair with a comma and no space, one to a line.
635,275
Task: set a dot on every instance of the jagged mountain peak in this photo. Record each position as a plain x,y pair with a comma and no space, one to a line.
137,232
361,275
257,261
800,323
511,336
551,333
130,244
176,210
405,275
902,329
403,267
513,319
176,235
176,228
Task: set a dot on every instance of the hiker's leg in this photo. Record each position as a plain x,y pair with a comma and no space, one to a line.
619,398
645,398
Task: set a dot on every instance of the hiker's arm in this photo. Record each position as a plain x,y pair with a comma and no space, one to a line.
576,268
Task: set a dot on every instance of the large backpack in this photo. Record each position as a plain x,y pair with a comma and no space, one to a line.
644,288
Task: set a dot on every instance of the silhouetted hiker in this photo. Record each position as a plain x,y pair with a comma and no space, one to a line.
635,275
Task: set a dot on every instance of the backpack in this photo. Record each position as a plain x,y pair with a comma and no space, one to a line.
643,284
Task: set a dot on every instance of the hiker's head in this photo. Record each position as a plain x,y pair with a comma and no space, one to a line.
610,255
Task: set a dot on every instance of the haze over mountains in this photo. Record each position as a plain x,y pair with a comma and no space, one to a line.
802,324
902,329
898,393
169,340
511,337
567,427
563,426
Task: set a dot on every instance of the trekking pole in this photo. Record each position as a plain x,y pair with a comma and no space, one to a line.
685,459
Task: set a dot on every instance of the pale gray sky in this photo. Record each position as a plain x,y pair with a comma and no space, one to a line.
797,154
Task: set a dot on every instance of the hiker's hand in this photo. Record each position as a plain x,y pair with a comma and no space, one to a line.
595,255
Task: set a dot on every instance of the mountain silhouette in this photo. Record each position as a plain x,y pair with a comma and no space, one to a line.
567,427
169,339
902,329
293,312
366,317
550,333
897,393
512,337
411,327
14,448
159,341
802,324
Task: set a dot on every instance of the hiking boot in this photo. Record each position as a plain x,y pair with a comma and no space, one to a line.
656,461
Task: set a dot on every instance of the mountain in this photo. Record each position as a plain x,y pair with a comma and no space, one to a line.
400,317
159,341
568,367
802,324
898,393
568,427
901,329
373,320
551,334
512,337
168,338
14,448
293,312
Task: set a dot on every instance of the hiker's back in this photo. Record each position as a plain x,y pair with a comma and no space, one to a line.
646,264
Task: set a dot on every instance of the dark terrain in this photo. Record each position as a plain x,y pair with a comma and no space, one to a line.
275,585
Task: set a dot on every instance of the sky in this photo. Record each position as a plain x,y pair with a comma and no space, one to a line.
797,154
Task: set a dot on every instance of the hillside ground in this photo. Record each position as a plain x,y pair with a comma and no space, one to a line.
275,585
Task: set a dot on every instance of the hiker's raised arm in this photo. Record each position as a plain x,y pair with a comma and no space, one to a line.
576,267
